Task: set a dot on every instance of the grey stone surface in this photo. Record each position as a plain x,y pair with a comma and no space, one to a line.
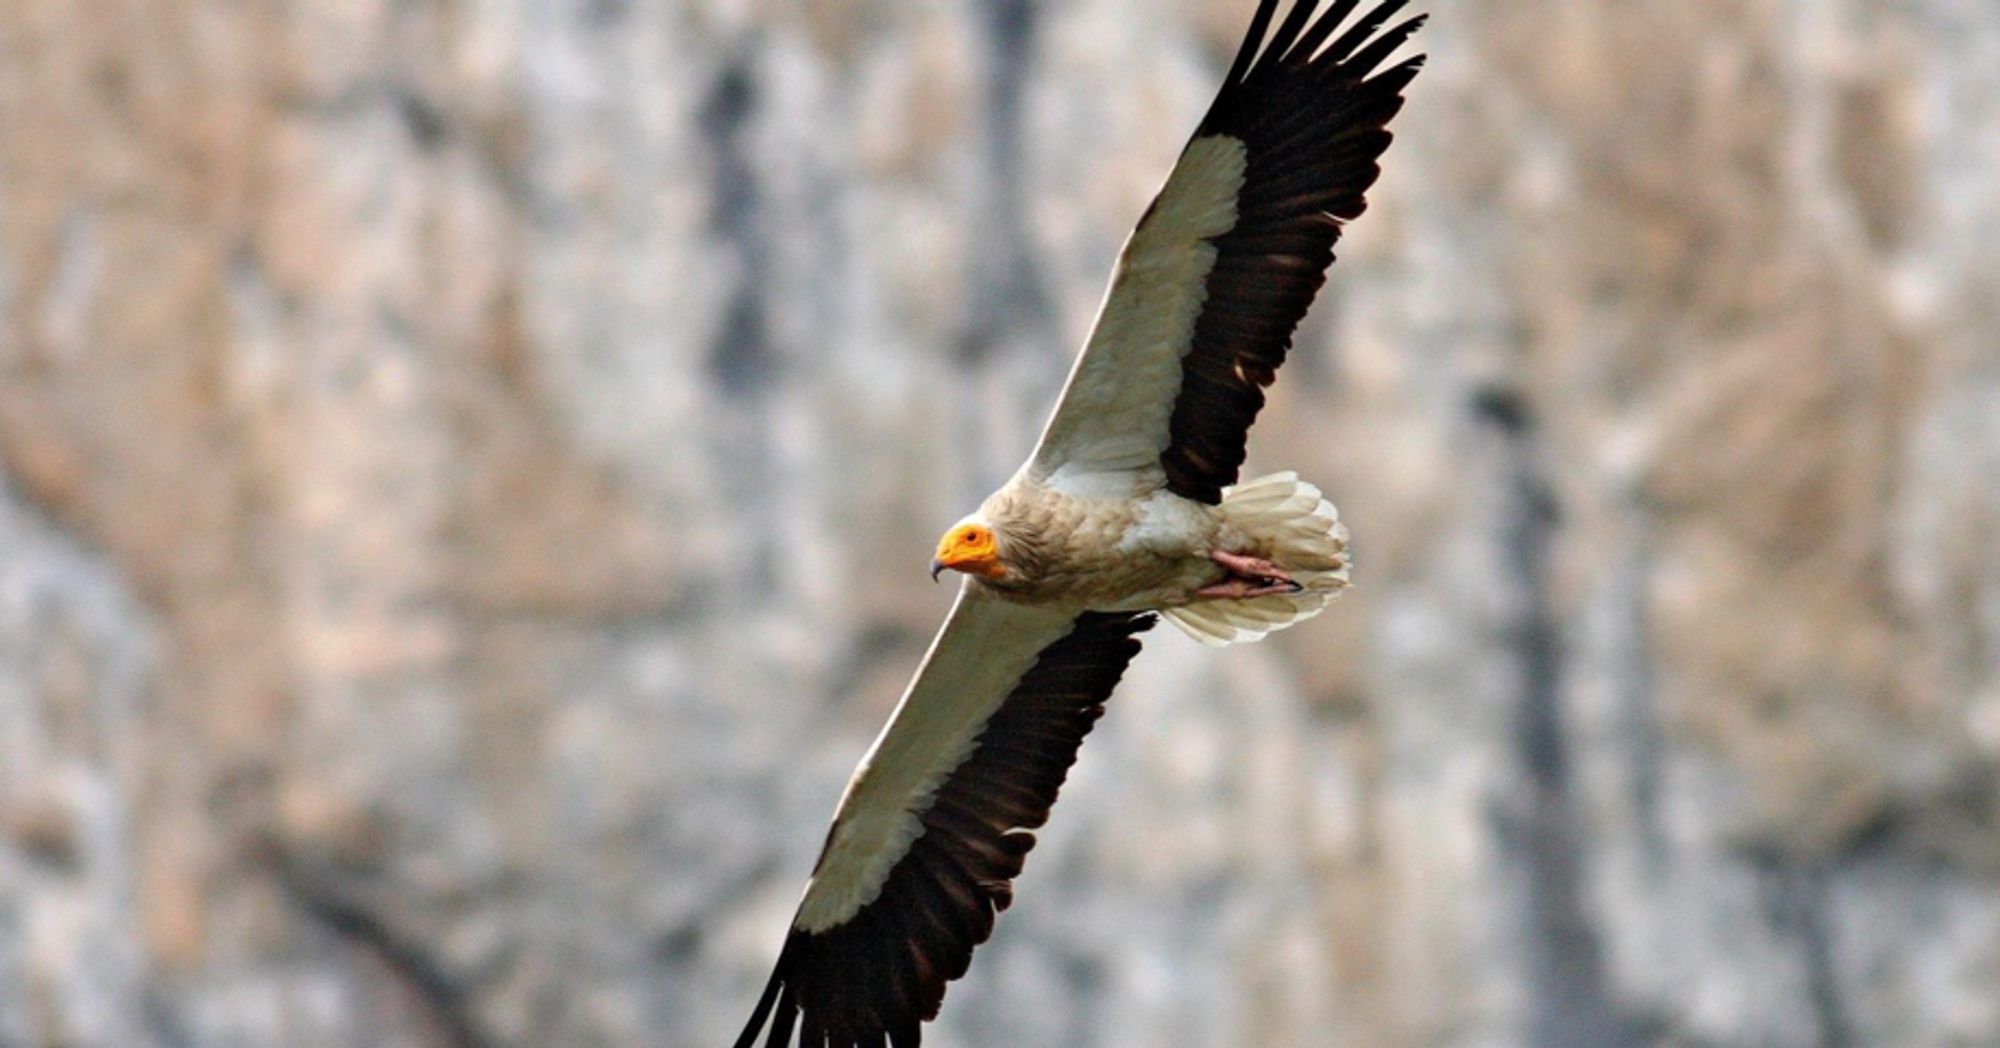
466,470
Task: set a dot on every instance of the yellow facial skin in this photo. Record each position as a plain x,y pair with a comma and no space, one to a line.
970,548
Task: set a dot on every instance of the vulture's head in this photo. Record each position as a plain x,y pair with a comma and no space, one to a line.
973,547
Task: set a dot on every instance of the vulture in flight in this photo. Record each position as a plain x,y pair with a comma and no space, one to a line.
1128,508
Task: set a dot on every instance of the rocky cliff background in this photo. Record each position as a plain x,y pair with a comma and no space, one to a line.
466,469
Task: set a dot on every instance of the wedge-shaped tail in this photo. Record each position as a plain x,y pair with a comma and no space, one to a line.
1289,521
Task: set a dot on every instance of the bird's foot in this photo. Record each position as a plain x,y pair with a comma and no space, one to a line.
1248,577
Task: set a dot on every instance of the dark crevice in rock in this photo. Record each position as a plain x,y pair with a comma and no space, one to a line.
1007,297
1823,985
740,359
1639,727
606,13
1570,1002
1505,409
1795,895
681,943
1085,972
440,996
163,1021
427,123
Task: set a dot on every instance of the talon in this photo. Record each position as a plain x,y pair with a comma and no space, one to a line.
1243,589
1248,577
1246,566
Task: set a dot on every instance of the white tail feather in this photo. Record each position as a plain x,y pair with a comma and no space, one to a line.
1290,523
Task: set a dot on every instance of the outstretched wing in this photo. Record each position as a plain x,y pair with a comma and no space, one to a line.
934,825
1221,268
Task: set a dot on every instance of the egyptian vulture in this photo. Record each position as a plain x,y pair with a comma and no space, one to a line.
1124,510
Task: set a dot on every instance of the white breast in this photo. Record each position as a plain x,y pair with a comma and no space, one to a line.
1168,523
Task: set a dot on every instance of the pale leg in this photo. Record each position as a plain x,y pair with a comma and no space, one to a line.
1248,577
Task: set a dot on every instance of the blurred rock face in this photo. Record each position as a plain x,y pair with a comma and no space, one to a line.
466,472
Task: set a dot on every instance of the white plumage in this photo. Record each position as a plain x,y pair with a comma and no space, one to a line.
1124,511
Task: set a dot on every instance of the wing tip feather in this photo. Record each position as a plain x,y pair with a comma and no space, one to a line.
775,1003
1378,50
1300,42
875,977
1253,36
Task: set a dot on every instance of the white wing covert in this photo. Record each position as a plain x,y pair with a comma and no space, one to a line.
935,823
1214,281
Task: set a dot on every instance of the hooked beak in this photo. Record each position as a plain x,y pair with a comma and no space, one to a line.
937,567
